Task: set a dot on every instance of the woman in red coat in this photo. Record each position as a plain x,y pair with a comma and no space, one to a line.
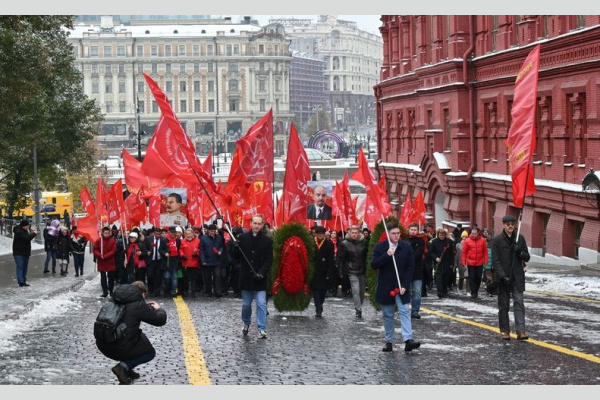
474,257
190,261
104,253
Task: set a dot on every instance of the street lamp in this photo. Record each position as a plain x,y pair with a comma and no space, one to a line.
140,133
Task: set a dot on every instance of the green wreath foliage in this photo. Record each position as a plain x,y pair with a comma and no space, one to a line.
284,301
371,273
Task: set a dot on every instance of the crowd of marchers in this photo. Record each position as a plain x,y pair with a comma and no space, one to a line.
217,262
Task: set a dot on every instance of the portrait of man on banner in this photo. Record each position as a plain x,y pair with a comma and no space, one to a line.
319,207
173,207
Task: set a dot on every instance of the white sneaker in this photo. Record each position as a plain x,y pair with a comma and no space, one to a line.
262,335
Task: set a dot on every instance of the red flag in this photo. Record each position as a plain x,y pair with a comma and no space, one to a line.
88,227
263,200
521,136
115,205
135,210
295,187
87,202
419,209
135,178
364,175
154,210
207,164
407,212
101,193
256,158
278,211
170,151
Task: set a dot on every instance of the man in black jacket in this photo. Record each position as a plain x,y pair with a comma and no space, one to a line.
419,248
22,249
256,260
352,262
135,347
509,255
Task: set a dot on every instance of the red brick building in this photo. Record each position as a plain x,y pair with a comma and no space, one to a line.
444,110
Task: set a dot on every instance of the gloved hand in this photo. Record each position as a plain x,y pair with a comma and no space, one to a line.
236,244
184,257
505,280
258,276
194,254
516,248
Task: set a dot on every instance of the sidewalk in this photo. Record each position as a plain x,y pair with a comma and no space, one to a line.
15,300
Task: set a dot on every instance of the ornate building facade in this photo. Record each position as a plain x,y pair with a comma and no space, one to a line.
444,111
221,77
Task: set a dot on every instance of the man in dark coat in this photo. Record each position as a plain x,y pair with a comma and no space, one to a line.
509,255
352,262
419,248
135,347
256,260
324,272
390,293
22,249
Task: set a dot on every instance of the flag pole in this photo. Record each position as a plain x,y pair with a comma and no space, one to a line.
524,194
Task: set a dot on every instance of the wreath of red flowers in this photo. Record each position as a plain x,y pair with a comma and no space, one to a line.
294,266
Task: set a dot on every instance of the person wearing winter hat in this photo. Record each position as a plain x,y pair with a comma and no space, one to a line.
21,248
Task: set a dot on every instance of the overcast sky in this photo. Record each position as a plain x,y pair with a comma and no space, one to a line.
369,23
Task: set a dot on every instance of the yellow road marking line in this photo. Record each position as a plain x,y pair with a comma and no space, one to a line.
192,352
554,347
564,296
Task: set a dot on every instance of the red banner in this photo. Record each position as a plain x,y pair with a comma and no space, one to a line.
87,202
364,175
256,147
88,227
419,209
407,212
521,135
295,187
114,204
171,151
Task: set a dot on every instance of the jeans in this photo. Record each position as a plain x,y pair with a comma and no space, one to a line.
170,275
415,296
50,255
22,263
319,298
388,311
107,281
261,308
144,358
358,284
78,262
504,306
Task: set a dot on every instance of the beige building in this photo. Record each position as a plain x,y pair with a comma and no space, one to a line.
221,77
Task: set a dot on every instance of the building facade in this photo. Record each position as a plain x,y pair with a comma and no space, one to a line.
444,111
307,87
352,63
221,77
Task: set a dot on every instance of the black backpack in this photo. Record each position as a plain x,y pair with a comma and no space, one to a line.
108,327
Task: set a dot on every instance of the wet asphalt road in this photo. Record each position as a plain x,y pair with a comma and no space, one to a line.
460,341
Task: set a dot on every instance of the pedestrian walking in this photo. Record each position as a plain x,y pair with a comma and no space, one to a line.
509,253
442,252
134,348
324,272
78,245
50,234
418,245
395,263
474,257
104,250
63,250
211,250
254,249
21,248
190,262
352,261
153,268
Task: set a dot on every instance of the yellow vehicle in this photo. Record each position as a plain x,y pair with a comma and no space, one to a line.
52,204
